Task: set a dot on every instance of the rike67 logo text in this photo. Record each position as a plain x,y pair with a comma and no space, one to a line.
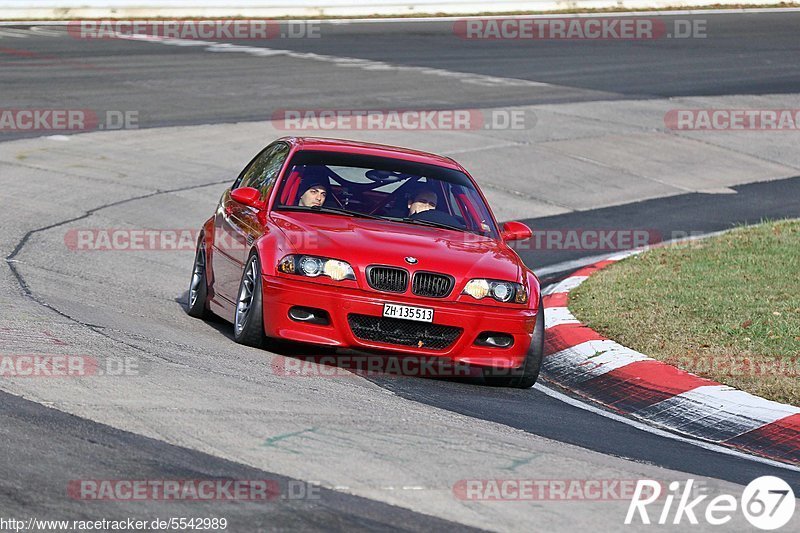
767,503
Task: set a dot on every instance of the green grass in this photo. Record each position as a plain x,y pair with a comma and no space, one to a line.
726,308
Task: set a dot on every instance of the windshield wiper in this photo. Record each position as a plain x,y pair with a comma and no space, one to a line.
346,212
325,209
423,222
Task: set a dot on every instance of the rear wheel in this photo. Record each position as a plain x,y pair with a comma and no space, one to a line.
248,325
525,376
198,287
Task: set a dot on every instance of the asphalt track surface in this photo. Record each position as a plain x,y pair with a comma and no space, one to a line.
44,449
744,54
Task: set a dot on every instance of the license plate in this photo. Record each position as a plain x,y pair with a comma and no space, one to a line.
407,312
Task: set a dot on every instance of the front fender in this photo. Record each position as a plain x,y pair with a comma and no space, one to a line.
271,247
535,289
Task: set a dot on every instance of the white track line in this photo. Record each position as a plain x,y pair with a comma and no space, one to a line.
574,264
661,433
339,61
450,18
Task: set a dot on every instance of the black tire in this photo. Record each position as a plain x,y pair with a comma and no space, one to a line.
197,300
525,376
248,323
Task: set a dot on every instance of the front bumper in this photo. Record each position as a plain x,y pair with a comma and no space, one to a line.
280,295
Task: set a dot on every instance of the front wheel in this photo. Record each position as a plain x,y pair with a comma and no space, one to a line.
198,287
525,376
248,326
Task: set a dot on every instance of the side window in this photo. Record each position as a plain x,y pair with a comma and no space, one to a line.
264,168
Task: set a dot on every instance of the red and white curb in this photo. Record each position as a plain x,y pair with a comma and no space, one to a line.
583,361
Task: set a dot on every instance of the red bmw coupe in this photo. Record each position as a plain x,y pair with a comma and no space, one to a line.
370,247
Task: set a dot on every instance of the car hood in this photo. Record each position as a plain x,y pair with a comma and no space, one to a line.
362,242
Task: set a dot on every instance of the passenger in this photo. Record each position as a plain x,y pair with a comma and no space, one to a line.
423,200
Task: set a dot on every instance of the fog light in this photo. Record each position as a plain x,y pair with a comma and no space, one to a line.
494,340
310,315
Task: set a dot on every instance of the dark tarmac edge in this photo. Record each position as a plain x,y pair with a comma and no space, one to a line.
44,449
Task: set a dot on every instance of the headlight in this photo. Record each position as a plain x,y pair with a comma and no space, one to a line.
312,267
502,291
338,270
477,288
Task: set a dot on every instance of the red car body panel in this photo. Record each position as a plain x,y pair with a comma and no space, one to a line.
273,234
281,294
378,242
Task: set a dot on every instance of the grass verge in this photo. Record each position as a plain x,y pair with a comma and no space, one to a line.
726,308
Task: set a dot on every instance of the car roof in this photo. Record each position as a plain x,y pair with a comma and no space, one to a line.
365,148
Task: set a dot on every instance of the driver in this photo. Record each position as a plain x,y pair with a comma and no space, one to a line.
315,188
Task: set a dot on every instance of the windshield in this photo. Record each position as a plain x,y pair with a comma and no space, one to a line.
385,188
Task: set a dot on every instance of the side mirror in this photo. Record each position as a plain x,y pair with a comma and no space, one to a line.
248,196
515,231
